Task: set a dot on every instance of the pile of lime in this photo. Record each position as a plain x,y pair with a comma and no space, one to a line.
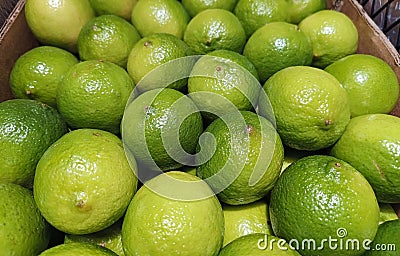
198,127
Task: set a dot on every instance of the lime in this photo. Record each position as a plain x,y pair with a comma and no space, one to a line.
83,182
37,73
58,23
237,58
108,38
219,85
291,155
160,16
193,7
155,224
275,46
320,198
215,29
23,230
109,238
386,213
386,241
371,144
93,94
153,51
333,36
300,9
121,8
241,220
161,128
246,160
75,249
253,14
370,83
310,106
27,129
258,245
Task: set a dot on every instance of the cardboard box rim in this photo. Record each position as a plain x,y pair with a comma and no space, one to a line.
16,38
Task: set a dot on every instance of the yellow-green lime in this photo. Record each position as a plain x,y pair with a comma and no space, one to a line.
371,144
77,249
150,53
333,36
291,155
83,182
109,238
387,240
241,220
193,7
310,107
27,129
58,23
370,83
93,94
275,46
121,8
253,14
386,213
258,245
158,225
23,230
160,16
246,157
109,38
215,29
320,197
297,10
161,128
188,169
37,73
222,84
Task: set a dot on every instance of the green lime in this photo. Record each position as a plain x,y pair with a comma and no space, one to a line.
93,94
386,241
297,10
320,198
160,16
108,38
237,58
83,182
215,29
275,46
58,23
291,155
371,144
370,83
386,213
78,249
161,128
246,157
258,245
254,14
156,224
219,85
152,52
23,230
37,73
27,129
193,7
310,106
333,36
109,238
121,8
241,220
